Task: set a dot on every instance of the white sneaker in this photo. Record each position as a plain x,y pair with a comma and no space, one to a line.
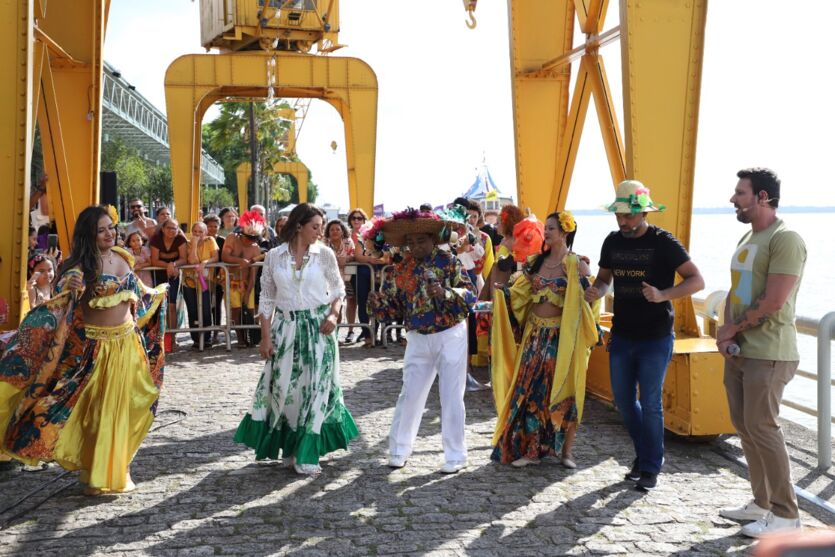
397,461
308,469
524,461
770,524
453,466
748,511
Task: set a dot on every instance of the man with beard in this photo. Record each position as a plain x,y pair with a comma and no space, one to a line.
759,342
643,260
139,222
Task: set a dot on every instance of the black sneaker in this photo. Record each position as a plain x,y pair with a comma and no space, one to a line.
648,481
635,473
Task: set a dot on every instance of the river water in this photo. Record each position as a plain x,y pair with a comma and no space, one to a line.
713,241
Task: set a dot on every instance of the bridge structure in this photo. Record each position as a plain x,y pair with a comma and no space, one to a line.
129,116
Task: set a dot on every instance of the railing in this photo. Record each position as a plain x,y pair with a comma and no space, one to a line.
385,332
824,331
228,326
351,269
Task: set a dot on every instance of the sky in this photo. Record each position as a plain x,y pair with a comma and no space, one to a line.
445,97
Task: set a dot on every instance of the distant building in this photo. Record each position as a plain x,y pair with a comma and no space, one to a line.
488,195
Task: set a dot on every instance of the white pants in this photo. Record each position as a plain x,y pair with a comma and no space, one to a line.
444,354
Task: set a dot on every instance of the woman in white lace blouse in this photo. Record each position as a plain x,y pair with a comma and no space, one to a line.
298,412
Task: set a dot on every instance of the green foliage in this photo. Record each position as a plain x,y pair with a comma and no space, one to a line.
226,139
159,184
216,198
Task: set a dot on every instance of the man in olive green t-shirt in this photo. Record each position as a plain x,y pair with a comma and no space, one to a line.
759,342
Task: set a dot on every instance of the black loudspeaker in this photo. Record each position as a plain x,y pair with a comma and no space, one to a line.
107,190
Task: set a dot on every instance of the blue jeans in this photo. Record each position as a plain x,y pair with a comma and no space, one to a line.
640,365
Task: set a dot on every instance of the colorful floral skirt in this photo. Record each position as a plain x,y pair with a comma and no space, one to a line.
530,431
92,417
298,409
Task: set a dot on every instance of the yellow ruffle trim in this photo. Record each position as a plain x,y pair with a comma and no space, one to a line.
113,300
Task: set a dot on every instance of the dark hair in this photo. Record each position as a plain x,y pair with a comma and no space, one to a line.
475,206
31,230
211,217
35,260
763,179
84,252
336,222
132,234
425,207
301,214
161,209
355,211
569,242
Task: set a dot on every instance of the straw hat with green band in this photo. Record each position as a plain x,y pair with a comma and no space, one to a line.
632,197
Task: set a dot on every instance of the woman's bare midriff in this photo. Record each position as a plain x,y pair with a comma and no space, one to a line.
546,310
107,317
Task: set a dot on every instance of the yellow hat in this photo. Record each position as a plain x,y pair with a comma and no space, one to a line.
633,197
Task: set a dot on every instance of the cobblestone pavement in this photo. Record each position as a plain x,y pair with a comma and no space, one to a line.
201,494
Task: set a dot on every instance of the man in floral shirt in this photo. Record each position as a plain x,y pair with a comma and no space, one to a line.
432,294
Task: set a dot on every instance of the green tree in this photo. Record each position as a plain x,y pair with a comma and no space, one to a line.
227,140
159,186
216,198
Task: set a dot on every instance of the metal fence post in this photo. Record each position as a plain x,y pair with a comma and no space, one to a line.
826,328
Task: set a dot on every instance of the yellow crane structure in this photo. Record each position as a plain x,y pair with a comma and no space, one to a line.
53,63
265,49
52,60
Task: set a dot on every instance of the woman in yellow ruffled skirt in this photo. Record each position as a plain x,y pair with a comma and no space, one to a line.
80,380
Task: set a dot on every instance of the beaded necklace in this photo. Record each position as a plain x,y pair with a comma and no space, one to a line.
297,274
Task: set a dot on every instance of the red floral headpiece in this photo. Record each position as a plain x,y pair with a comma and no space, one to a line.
252,223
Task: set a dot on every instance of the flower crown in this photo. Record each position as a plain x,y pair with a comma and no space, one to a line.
373,232
567,222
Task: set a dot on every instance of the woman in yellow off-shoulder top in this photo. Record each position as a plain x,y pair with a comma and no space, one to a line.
79,382
539,383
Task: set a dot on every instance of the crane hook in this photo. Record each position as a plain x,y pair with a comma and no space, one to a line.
469,5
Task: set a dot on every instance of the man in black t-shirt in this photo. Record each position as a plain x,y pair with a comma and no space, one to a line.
643,261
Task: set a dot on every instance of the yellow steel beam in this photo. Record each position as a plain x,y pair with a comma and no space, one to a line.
195,81
607,118
55,159
296,169
243,172
540,30
662,50
73,33
16,65
571,138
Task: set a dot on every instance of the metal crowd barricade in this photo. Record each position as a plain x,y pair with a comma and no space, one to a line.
351,269
823,330
386,269
200,328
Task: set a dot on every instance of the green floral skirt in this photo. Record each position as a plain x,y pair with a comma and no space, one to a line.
298,409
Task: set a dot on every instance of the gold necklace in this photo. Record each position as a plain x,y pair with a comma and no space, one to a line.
109,258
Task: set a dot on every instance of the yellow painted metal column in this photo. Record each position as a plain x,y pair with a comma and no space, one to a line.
16,65
73,34
540,30
662,50
243,172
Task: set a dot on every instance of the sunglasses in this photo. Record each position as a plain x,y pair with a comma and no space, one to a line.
136,206
357,218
